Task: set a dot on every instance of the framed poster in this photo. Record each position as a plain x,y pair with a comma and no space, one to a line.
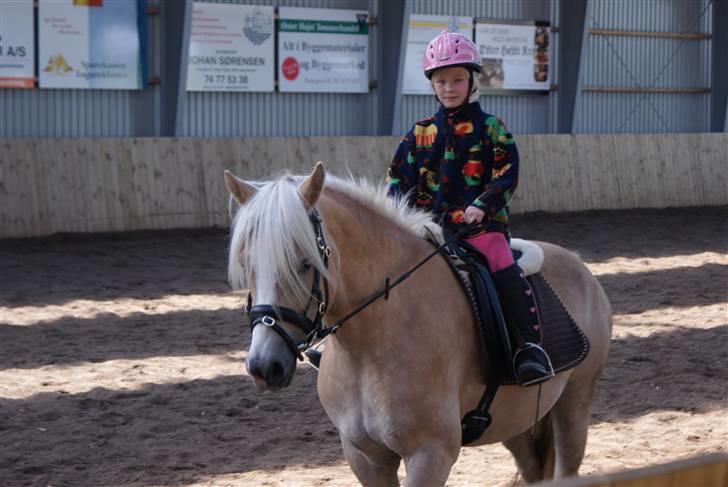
17,44
231,48
323,50
514,56
92,44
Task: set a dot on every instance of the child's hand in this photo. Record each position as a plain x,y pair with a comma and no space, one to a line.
473,214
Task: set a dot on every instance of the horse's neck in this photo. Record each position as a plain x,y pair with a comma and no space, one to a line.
371,248
397,331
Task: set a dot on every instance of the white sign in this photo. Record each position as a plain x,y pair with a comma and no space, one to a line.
89,44
17,48
322,50
231,48
422,29
514,57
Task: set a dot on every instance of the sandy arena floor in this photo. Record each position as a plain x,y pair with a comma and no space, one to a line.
121,360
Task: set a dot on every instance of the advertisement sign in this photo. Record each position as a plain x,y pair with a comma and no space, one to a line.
422,29
89,44
231,48
514,57
322,50
17,48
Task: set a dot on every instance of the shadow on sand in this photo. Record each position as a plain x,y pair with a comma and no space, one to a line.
193,430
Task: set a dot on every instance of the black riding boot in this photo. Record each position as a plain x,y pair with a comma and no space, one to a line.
531,362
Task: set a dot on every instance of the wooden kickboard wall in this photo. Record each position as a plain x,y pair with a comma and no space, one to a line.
99,185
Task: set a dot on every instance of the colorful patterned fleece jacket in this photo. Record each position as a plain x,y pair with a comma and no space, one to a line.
457,158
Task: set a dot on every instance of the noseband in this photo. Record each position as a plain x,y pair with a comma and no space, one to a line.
270,314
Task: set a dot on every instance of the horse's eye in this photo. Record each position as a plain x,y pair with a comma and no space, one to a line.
304,266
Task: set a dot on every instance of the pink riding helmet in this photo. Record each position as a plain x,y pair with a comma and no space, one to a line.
450,49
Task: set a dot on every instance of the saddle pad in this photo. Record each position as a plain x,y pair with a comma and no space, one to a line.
565,343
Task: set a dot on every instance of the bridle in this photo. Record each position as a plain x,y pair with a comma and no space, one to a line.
270,314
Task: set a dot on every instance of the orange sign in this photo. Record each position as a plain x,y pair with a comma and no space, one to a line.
17,82
89,3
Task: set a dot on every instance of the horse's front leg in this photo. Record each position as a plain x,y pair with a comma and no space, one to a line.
377,467
430,463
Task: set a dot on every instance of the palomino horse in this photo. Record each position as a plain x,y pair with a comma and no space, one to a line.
398,376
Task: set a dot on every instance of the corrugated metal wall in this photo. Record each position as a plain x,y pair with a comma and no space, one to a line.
522,113
222,114
645,62
81,113
65,113
607,61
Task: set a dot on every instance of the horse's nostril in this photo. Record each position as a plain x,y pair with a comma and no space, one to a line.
276,373
271,371
252,365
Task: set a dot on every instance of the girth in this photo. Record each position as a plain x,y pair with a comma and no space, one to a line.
492,331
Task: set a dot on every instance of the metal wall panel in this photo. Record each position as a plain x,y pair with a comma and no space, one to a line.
608,61
650,15
492,9
65,113
645,62
275,114
225,114
643,113
522,113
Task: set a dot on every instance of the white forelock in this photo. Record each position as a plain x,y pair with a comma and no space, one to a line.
271,234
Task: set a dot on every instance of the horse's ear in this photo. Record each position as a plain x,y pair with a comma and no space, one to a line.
311,187
240,190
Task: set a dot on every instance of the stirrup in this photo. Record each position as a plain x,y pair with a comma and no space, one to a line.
546,363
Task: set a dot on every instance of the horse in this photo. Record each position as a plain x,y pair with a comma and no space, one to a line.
397,377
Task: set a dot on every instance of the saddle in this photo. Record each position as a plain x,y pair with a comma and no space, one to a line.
565,343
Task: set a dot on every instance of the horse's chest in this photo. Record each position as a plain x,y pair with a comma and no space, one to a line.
361,416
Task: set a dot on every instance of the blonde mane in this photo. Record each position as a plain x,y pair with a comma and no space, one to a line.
273,252
375,198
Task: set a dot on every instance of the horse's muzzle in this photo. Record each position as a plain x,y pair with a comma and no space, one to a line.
269,375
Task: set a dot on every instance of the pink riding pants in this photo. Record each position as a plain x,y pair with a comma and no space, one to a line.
495,248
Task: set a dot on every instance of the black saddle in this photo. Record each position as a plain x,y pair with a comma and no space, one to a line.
565,343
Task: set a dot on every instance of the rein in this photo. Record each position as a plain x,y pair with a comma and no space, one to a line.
269,315
331,330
